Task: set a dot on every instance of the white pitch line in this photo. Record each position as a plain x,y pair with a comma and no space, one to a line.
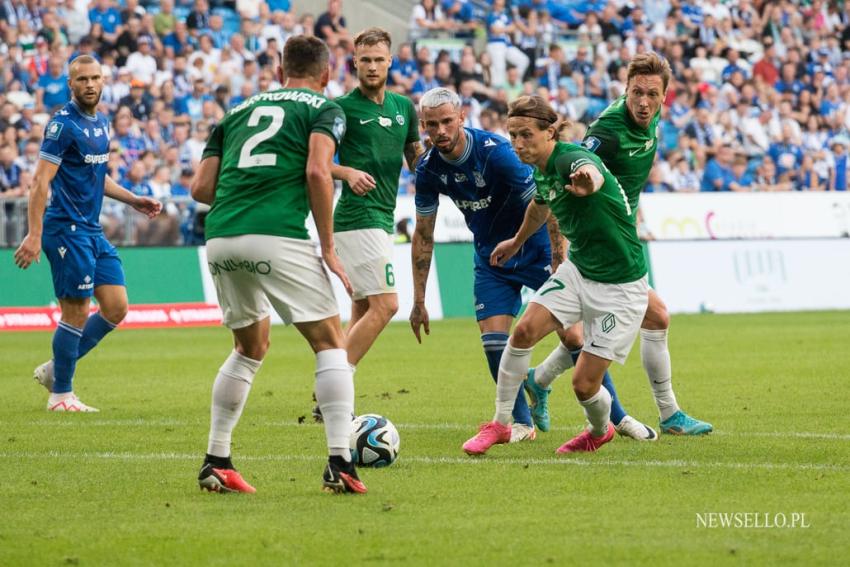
142,422
478,461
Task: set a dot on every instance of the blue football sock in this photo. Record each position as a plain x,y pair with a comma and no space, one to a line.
494,344
617,410
66,343
95,329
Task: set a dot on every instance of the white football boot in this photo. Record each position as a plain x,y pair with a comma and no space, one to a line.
630,427
521,432
68,402
43,374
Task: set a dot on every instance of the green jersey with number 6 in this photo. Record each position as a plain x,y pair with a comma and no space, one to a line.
263,145
625,148
377,135
604,244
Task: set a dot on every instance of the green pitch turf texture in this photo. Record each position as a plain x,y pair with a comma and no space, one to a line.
119,488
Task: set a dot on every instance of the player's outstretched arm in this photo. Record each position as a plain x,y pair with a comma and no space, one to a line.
535,216
145,205
205,180
585,181
30,249
359,181
320,191
422,250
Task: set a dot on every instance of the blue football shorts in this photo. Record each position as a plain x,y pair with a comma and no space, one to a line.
79,263
498,291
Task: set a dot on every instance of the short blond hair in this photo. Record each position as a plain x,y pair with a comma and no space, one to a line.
373,36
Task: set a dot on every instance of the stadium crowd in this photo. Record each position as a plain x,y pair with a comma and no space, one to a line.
760,99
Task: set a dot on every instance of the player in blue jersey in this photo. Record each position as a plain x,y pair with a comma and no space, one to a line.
72,169
486,180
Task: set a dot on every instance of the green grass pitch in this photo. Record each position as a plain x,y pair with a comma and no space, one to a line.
119,488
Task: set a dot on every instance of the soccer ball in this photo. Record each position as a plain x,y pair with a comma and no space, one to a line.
374,441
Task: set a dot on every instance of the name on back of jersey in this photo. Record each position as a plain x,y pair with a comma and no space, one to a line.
314,100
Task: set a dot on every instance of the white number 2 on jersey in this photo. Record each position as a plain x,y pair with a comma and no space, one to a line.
246,159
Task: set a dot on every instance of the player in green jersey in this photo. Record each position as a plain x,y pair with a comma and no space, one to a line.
625,138
264,167
381,131
602,283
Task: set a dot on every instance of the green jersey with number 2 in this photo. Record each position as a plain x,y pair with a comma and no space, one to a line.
263,145
604,244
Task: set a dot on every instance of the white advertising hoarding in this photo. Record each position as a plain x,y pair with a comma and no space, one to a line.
752,275
698,216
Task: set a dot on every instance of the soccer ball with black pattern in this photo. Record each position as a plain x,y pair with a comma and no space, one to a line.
374,441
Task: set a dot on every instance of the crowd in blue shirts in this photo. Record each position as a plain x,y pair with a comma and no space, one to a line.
760,97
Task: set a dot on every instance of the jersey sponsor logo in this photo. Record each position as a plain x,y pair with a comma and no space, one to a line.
385,122
362,122
591,143
478,205
54,130
263,267
489,143
400,119
96,158
62,250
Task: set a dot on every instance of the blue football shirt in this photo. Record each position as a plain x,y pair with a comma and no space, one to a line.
490,186
79,144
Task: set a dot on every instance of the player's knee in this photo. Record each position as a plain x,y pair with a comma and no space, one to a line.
583,387
115,313
523,336
656,318
254,351
573,338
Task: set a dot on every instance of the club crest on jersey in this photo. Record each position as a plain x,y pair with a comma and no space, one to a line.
385,122
400,119
98,132
479,179
591,143
460,177
54,130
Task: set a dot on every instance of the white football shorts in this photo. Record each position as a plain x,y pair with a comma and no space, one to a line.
611,313
254,273
367,256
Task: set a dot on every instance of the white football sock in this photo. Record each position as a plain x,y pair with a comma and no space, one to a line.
559,361
230,391
335,394
513,368
656,361
597,409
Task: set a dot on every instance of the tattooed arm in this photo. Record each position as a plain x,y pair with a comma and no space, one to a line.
559,243
412,152
422,251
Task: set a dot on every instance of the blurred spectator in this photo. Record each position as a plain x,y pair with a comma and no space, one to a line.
425,82
52,91
500,47
198,20
404,71
331,26
718,171
839,177
426,17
